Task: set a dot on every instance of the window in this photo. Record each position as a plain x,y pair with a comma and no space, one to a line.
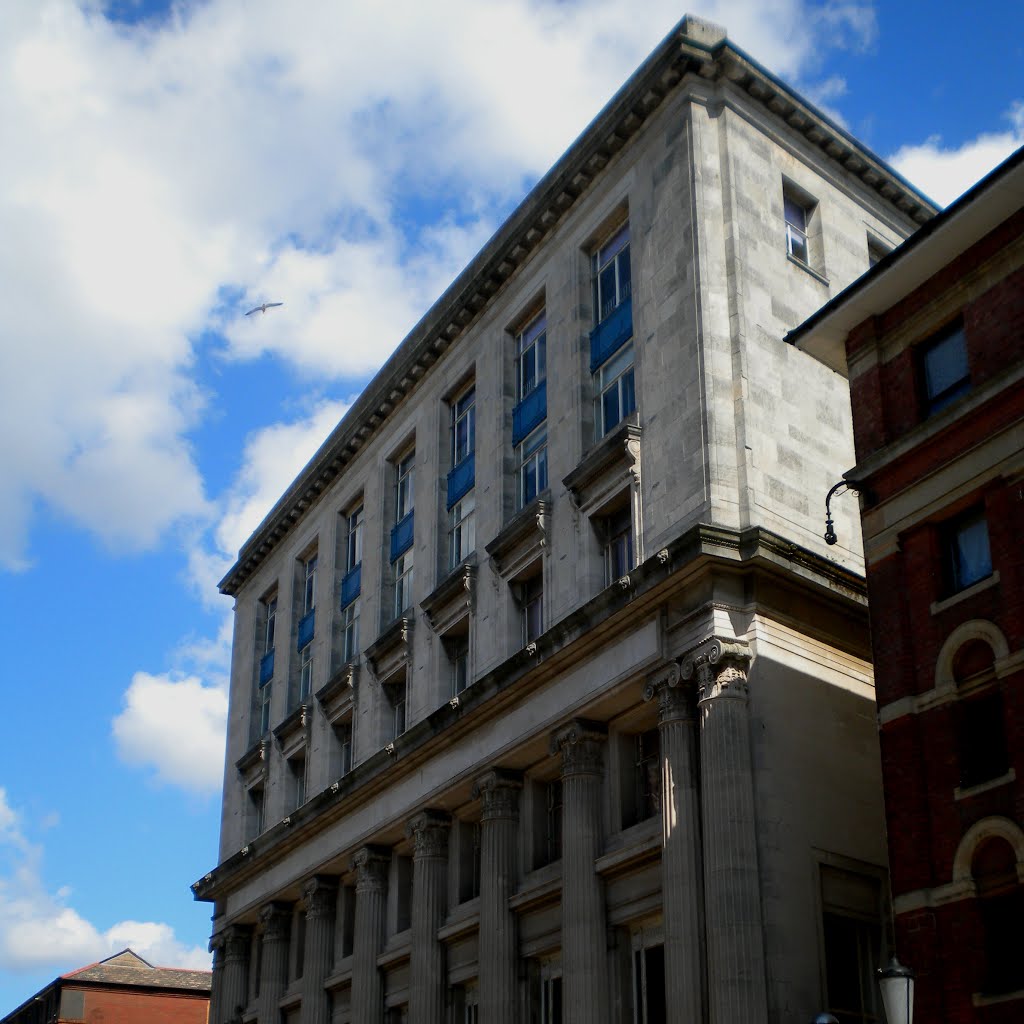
270,623
1001,909
257,798
343,739
308,584
797,217
531,355
649,985
264,708
350,633
305,671
531,603
465,1005
646,775
611,273
616,393
461,530
551,1000
945,373
966,551
618,550
532,458
354,539
404,478
463,426
403,568
458,660
396,697
852,933
981,738
297,772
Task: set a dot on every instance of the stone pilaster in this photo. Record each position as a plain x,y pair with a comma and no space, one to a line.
585,996
737,989
681,873
371,864
427,977
498,953
276,920
320,894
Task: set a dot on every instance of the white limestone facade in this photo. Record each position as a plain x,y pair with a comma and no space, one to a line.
616,760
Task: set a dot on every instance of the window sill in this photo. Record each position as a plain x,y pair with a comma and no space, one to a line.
967,592
966,792
808,269
981,999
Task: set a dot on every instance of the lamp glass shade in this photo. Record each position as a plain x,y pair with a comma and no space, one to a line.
896,984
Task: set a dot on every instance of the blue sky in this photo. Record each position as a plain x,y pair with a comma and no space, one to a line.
165,168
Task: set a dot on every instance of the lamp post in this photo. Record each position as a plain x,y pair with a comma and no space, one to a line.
896,984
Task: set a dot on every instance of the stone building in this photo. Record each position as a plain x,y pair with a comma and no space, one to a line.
548,702
932,341
123,989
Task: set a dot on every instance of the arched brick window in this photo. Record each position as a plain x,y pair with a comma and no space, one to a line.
980,728
1001,908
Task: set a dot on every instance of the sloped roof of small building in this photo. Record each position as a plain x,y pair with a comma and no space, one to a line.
127,968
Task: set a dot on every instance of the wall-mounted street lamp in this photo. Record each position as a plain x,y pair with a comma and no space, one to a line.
843,485
896,983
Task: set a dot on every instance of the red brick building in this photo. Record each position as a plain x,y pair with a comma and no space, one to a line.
123,989
932,342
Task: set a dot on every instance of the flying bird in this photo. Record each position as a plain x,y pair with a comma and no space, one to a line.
263,307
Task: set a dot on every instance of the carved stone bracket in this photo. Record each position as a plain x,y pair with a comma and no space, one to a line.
452,600
429,832
581,744
498,791
719,668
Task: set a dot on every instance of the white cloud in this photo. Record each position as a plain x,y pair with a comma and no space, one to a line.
166,173
40,929
176,726
945,172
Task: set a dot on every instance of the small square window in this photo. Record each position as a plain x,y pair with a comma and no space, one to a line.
945,374
966,551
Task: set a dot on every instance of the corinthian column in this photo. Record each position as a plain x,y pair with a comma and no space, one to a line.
320,894
371,864
737,991
276,919
217,980
234,989
681,878
499,876
584,933
429,831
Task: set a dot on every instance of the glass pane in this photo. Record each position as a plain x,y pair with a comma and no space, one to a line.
971,553
945,367
609,409
606,291
795,214
624,281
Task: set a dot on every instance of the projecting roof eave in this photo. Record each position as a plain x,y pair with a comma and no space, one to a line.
962,224
681,54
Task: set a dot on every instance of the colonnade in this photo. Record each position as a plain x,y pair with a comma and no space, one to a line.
714,955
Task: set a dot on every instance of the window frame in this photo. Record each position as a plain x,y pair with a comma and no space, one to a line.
405,480
463,416
531,605
531,349
612,254
954,538
532,455
623,383
461,529
403,568
935,401
350,632
309,573
354,525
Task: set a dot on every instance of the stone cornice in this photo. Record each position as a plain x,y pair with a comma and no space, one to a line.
688,53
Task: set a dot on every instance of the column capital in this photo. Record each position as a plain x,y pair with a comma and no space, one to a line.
371,864
319,893
675,700
581,744
237,939
719,668
275,919
498,790
429,833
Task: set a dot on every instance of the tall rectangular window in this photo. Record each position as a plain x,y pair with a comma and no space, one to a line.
305,671
396,693
618,550
343,736
404,479
462,529
531,605
308,584
649,985
797,216
611,273
403,569
611,345
354,539
268,611
945,373
457,650
463,429
270,624
531,355
350,632
532,460
968,559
